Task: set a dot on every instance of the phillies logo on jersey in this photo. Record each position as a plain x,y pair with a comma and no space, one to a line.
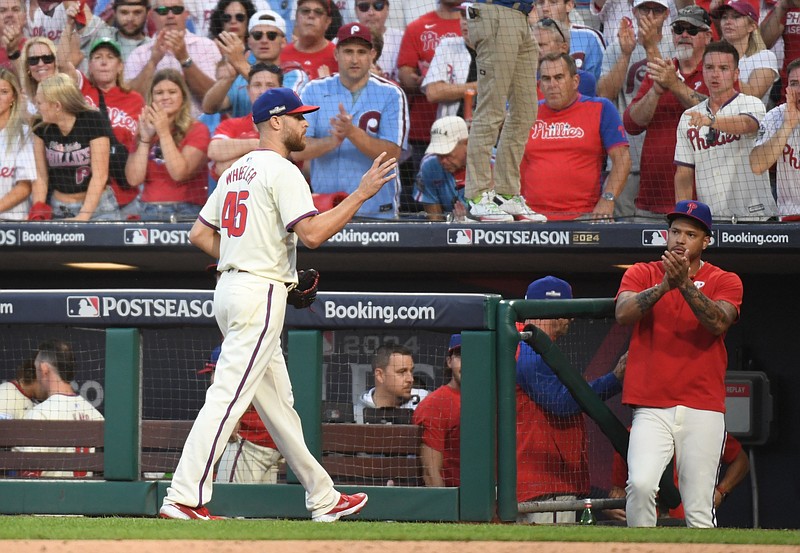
370,121
555,131
83,306
699,142
7,172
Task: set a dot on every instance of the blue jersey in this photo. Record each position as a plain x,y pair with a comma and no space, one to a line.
540,383
240,99
381,109
587,47
434,185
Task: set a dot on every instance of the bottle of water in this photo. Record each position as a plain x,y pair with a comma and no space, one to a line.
587,518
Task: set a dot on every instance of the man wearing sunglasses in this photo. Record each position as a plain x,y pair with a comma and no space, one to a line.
373,14
624,65
266,40
174,47
360,116
715,139
670,87
310,50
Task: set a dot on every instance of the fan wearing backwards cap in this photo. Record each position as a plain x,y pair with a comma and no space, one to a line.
251,223
680,308
552,457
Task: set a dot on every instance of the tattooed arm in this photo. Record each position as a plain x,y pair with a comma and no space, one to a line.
631,306
716,316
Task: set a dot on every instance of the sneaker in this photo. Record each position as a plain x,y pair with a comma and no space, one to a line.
486,209
184,512
348,505
518,209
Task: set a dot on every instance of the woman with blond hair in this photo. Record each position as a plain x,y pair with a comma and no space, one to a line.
71,146
171,154
17,164
758,66
37,63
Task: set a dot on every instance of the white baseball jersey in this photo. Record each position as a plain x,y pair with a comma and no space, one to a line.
16,163
367,400
13,403
788,164
60,407
262,244
450,64
723,176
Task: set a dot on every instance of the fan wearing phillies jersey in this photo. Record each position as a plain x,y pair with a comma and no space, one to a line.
680,308
251,223
779,142
783,22
360,116
17,396
562,165
123,105
238,136
714,143
439,415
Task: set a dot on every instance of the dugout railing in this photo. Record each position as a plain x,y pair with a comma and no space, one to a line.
124,319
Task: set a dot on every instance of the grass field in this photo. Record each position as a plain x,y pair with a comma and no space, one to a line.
110,528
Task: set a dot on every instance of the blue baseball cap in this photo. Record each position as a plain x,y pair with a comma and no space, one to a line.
455,342
692,209
549,288
279,101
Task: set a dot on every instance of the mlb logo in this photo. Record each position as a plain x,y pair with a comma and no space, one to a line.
137,236
83,306
459,236
653,237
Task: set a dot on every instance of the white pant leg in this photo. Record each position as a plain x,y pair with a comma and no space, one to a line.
274,402
699,437
650,449
227,462
250,312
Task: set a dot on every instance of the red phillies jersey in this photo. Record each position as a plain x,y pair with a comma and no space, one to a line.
563,160
439,414
657,170
419,43
124,109
619,469
310,62
673,359
252,429
551,452
240,128
159,185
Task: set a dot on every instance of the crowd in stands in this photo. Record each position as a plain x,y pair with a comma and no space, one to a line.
131,109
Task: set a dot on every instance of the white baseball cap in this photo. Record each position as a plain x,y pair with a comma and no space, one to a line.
446,133
637,3
267,17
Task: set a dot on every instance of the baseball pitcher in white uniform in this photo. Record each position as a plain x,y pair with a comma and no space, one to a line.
251,223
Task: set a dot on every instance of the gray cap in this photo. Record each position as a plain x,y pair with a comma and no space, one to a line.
694,15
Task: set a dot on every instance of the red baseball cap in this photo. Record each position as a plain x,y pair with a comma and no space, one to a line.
352,31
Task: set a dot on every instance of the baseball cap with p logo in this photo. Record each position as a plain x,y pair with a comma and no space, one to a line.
692,209
352,31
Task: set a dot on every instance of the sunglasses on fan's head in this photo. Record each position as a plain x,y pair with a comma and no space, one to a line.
164,10
365,6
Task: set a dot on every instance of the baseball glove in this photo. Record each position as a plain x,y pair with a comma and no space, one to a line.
303,294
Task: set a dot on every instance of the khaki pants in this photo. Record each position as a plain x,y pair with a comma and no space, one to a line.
507,57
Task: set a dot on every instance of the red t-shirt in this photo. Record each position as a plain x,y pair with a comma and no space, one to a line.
673,359
236,128
252,429
791,42
439,414
124,109
657,170
419,44
160,187
619,469
310,62
551,452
